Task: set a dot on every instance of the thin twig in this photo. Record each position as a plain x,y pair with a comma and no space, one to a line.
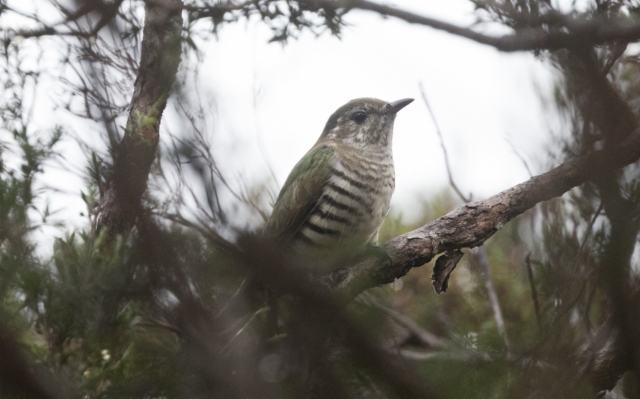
444,149
616,50
577,31
520,156
534,291
210,234
423,335
473,357
579,257
586,235
448,356
236,294
481,257
159,324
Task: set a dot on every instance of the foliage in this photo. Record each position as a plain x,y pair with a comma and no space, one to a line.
177,307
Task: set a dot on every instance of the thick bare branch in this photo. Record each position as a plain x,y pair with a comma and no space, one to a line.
471,224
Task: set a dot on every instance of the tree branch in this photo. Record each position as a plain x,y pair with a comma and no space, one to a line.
471,224
601,105
554,30
159,60
107,10
570,32
480,254
425,337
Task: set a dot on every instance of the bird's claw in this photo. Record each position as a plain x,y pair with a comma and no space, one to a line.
380,254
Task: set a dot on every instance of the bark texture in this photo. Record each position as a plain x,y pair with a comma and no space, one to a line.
471,224
159,60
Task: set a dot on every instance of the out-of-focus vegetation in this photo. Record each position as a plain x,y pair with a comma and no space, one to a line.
176,307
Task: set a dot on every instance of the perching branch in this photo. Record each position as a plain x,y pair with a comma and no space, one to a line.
480,253
471,224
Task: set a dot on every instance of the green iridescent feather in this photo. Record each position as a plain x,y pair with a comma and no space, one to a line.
300,193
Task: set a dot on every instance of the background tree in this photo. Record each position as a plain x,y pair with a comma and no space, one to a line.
162,295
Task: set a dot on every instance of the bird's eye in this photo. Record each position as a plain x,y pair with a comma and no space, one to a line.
359,116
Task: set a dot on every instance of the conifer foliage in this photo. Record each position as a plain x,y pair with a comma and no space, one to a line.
162,293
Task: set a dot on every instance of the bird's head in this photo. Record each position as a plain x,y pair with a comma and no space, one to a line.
364,122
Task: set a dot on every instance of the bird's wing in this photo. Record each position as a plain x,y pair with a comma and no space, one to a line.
300,193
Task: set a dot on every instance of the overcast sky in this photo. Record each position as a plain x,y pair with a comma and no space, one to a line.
486,102
271,103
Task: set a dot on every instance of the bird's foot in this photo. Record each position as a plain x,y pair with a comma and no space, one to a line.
377,252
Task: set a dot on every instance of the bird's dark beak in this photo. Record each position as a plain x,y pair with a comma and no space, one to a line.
396,106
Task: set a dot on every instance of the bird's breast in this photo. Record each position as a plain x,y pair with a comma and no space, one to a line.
353,203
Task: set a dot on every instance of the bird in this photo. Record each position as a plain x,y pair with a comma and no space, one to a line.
335,199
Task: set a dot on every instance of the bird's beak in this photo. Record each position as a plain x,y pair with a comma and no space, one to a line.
396,106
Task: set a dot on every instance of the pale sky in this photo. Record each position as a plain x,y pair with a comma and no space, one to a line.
272,101
483,99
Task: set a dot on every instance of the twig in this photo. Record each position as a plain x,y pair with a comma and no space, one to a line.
235,295
520,156
481,257
587,234
534,291
220,242
473,357
108,11
615,52
423,335
447,356
576,32
244,327
160,324
480,253
571,32
444,148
